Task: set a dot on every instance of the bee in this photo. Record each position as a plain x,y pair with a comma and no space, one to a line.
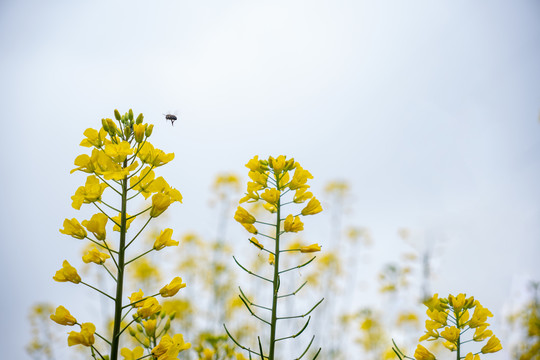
170,117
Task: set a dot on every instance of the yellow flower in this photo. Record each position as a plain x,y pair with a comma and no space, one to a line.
96,225
300,178
85,337
256,242
63,317
118,220
271,196
132,355
95,256
470,356
493,345
261,179
151,156
252,229
118,152
168,348
67,273
450,346
251,195
310,248
293,224
257,165
164,239
479,316
302,195
451,334
89,193
422,353
438,316
313,207
243,216
208,354
138,132
148,308
459,302
73,228
436,304
171,289
271,259
94,138
430,333
270,208
277,164
160,203
143,181
150,326
87,164
136,297
481,333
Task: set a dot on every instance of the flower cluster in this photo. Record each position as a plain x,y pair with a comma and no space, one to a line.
275,183
449,319
122,160
270,180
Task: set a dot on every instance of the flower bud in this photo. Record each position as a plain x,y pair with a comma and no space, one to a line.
289,165
149,130
139,328
139,119
132,332
162,314
117,114
127,131
167,325
104,124
130,114
173,315
138,131
146,343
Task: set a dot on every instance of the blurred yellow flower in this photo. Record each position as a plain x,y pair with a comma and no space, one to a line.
63,317
84,337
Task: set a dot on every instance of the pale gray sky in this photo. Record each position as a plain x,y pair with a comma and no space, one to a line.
429,109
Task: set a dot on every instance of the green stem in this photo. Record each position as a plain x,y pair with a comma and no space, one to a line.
275,290
120,275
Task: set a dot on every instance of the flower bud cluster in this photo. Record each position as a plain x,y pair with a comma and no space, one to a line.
271,181
450,318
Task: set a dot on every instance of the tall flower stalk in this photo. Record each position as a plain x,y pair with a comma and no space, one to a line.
114,166
274,188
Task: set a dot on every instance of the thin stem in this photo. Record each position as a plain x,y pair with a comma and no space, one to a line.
104,293
275,282
238,344
110,273
299,266
304,315
135,258
99,244
109,185
132,216
250,272
150,218
307,348
109,206
264,223
102,338
298,333
120,279
296,291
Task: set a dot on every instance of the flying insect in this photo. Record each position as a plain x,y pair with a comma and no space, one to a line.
171,117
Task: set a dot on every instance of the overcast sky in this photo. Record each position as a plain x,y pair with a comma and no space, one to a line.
429,109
